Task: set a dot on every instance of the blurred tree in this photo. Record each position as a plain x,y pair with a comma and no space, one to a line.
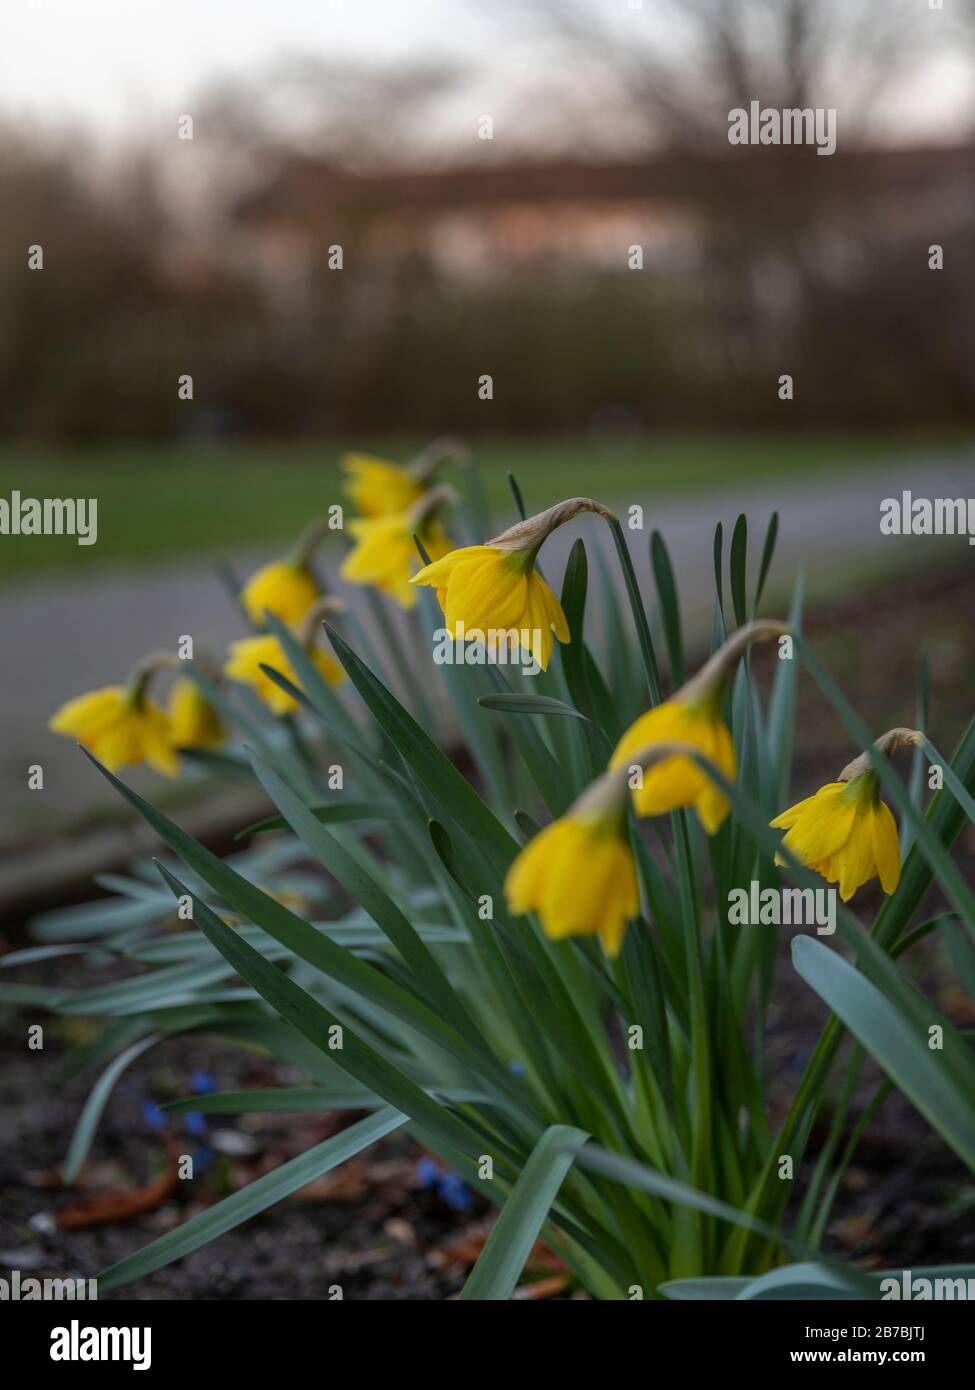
359,116
673,69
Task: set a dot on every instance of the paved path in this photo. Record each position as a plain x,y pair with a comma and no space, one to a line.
61,637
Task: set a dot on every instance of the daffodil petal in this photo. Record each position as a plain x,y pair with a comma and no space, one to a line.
887,850
824,826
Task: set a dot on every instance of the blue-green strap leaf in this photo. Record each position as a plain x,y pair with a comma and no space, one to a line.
500,1263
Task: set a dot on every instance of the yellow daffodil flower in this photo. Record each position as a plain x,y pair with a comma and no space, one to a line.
679,781
489,592
578,874
193,722
845,832
377,487
121,726
691,717
249,653
284,588
385,554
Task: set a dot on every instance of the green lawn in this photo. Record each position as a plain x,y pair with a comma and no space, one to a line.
158,501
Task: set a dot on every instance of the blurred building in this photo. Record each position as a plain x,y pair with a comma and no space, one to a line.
756,261
748,265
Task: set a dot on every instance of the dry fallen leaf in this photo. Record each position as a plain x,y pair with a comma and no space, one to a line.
117,1205
462,1251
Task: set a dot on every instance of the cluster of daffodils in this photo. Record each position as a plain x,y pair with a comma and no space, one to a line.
579,874
655,767
396,506
122,725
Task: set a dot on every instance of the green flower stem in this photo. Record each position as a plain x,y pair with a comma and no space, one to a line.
701,1128
638,610
302,552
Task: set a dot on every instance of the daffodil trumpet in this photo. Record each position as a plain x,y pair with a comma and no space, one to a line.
578,874
495,588
692,720
844,831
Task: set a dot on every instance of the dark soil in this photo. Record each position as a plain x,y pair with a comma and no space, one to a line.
370,1227
367,1227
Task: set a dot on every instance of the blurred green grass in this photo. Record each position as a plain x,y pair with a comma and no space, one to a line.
165,502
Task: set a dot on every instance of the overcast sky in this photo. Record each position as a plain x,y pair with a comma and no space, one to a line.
112,60
119,64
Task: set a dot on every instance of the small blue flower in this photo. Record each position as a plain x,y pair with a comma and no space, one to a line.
455,1192
202,1083
153,1116
517,1069
427,1172
195,1123
202,1158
